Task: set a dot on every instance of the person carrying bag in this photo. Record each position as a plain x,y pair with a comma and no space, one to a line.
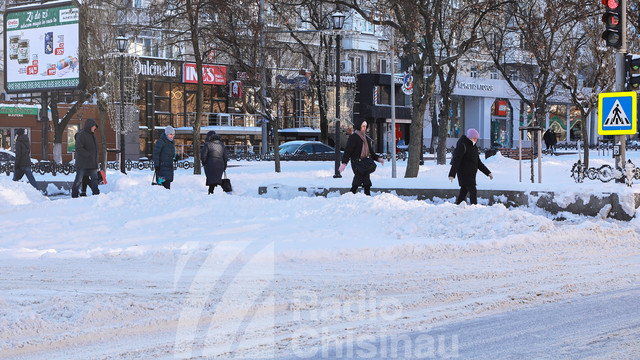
360,151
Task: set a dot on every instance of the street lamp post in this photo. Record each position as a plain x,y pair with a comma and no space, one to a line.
338,22
122,44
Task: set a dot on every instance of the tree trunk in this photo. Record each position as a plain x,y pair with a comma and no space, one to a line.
585,137
443,121
419,100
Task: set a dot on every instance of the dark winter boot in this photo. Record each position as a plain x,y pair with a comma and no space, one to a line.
367,190
354,189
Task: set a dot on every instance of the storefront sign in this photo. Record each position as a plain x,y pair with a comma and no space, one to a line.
212,74
474,86
12,110
155,68
236,89
407,84
299,82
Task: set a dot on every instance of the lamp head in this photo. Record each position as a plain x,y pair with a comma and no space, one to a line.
338,20
122,43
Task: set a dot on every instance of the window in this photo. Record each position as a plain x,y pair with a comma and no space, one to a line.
146,50
495,74
382,66
474,72
357,64
514,76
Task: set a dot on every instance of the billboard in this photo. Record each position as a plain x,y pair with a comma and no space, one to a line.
212,74
41,48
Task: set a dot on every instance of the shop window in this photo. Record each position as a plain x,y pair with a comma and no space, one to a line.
575,119
558,121
456,125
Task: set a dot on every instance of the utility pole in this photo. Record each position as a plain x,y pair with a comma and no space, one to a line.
393,109
620,82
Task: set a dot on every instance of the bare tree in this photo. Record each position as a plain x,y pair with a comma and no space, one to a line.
432,34
586,69
189,21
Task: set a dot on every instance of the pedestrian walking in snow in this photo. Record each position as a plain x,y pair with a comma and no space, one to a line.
86,158
214,159
550,140
359,150
164,154
22,165
465,164
86,180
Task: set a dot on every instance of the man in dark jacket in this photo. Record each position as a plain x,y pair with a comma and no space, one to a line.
465,163
22,165
164,154
214,159
86,158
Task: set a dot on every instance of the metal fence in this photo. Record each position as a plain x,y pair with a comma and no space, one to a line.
606,173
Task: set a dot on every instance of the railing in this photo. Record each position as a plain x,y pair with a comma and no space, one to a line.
605,173
243,120
48,167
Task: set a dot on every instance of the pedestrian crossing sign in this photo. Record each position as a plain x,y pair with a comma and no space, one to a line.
618,112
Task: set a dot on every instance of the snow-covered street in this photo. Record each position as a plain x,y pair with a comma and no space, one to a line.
142,272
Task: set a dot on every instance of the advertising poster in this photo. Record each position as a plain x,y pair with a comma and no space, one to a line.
72,130
41,48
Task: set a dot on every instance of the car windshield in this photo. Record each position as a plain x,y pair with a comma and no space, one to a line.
288,148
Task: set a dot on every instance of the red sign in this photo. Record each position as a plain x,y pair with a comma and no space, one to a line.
32,70
501,108
236,89
211,74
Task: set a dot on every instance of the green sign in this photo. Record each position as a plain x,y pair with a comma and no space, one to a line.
18,110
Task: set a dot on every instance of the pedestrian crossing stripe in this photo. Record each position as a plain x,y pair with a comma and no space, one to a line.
617,112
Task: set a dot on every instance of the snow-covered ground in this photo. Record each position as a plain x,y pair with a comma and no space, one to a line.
143,272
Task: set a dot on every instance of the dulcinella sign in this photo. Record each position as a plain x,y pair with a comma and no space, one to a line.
155,68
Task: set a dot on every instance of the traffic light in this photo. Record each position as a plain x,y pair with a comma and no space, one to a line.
612,19
632,71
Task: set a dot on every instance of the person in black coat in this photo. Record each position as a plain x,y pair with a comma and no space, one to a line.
86,158
164,154
22,164
550,139
356,149
465,163
214,159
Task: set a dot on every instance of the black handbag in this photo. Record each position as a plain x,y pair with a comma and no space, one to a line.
226,183
365,166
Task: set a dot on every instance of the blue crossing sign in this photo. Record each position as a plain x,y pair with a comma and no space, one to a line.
618,112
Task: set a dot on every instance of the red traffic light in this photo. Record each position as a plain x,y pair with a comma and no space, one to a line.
613,25
611,4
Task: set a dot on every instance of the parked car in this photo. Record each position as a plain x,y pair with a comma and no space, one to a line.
10,156
299,148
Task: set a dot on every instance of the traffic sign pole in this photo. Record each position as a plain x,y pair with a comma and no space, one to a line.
620,83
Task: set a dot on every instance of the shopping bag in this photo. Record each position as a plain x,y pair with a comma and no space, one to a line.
226,183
